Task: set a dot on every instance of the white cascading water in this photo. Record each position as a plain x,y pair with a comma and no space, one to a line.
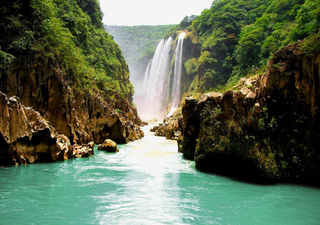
155,86
156,90
145,81
141,93
175,91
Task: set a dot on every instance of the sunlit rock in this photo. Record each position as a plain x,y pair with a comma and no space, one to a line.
82,151
109,146
80,116
26,137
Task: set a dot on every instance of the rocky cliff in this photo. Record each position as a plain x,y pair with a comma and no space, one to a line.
79,117
26,137
266,130
59,63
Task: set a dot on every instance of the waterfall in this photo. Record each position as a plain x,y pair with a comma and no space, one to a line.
145,81
156,78
155,86
139,92
175,93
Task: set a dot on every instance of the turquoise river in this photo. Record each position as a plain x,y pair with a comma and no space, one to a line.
147,182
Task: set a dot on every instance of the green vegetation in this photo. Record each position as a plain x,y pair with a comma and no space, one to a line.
265,149
271,137
237,38
69,32
138,44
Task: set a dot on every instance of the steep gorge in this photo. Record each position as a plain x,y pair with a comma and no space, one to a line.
265,127
48,79
81,117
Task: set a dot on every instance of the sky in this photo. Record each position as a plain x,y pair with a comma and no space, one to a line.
150,12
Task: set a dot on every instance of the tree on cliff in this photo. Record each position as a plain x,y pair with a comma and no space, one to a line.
63,82
237,38
70,32
266,127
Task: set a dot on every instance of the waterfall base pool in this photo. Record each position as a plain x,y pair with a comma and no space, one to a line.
147,182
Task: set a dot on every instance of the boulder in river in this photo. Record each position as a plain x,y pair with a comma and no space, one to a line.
81,151
171,128
109,146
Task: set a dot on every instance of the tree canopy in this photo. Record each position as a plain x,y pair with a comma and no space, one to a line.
72,33
238,37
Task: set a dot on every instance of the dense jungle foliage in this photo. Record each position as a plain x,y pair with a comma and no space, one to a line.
70,32
138,44
269,133
236,38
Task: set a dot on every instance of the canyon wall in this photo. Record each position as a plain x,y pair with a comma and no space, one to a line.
266,129
80,117
26,137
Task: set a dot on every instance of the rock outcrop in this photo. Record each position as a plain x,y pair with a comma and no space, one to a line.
82,151
26,137
81,117
171,128
267,130
109,146
76,82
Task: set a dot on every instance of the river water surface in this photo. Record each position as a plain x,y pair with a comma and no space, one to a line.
147,182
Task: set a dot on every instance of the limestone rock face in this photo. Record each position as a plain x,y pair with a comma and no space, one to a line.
109,146
81,117
265,131
70,113
26,137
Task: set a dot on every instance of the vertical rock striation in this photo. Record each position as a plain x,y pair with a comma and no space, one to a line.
26,137
78,117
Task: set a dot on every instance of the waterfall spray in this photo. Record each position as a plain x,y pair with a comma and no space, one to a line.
155,85
155,82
